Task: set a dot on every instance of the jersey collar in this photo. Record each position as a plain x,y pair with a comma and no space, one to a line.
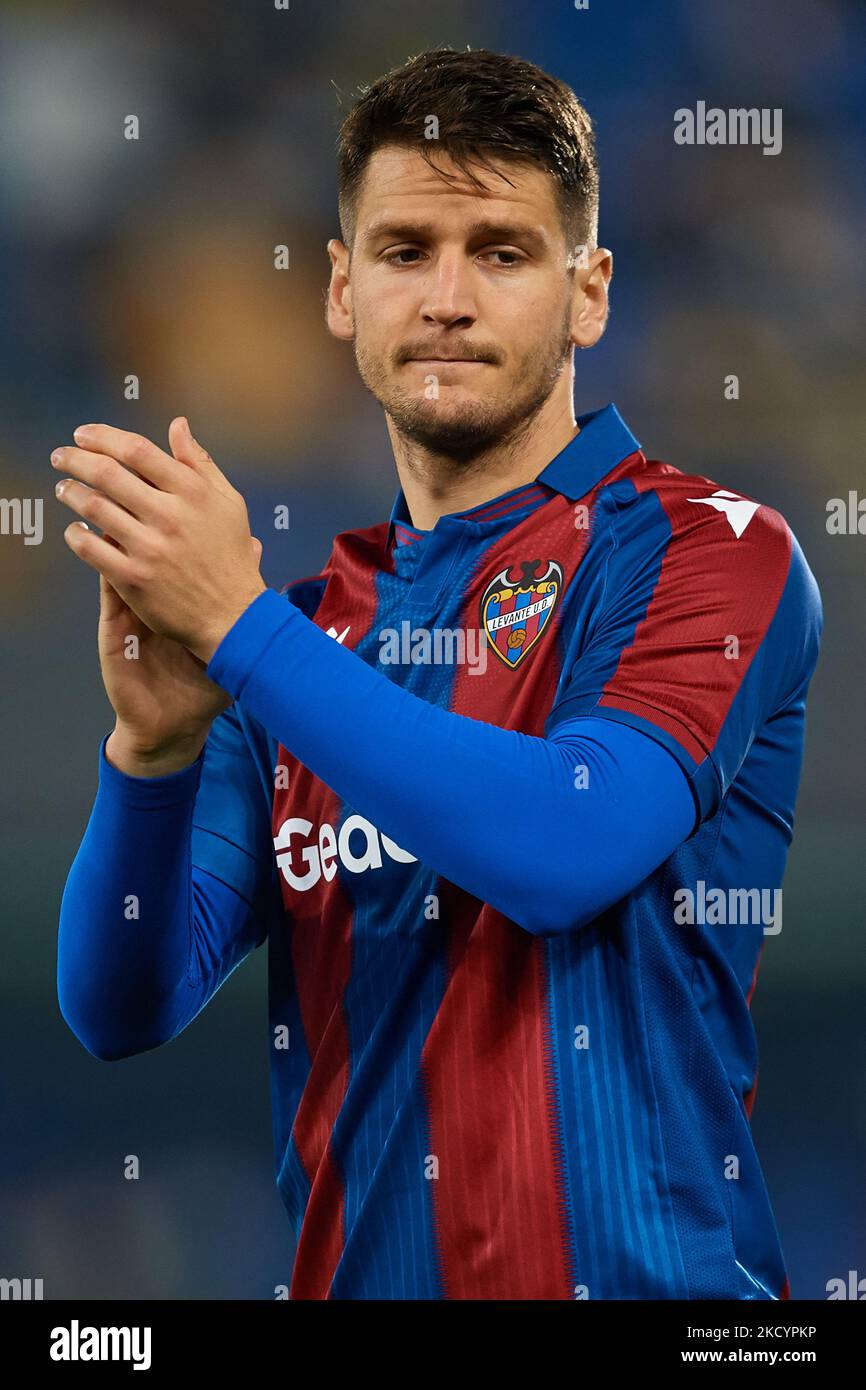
603,441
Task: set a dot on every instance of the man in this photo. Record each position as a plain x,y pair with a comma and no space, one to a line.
514,894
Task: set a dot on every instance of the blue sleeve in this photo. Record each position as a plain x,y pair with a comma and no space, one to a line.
171,888
568,804
231,823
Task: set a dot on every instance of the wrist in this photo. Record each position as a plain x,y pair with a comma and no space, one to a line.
137,758
207,642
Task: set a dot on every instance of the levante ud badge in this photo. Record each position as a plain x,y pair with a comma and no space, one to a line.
518,605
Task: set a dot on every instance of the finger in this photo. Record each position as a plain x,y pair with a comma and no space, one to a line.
184,445
187,449
98,552
135,452
111,605
110,477
102,512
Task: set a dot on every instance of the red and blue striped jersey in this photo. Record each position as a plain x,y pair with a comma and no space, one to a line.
467,1110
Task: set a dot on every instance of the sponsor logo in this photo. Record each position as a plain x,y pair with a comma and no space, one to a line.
316,852
737,510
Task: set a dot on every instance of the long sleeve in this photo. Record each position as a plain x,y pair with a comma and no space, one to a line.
544,829
169,891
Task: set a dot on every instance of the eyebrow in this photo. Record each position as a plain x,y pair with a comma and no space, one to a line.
489,231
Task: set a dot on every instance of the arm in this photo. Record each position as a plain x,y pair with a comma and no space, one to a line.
495,811
682,584
650,702
171,888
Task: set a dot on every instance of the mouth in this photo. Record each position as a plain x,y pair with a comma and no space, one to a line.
453,361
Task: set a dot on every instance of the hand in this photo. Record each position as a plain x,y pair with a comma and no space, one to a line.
183,562
163,699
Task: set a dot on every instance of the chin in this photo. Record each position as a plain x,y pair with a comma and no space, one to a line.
456,432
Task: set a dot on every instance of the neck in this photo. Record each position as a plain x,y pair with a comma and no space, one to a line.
433,487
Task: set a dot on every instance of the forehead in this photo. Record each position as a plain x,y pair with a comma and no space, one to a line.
401,181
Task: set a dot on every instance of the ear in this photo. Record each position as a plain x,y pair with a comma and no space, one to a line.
338,313
591,306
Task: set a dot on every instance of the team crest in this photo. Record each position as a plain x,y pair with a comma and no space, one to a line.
517,606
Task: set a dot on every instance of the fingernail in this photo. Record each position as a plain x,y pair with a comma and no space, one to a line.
57,458
80,432
59,486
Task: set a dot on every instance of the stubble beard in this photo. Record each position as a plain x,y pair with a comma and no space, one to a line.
467,433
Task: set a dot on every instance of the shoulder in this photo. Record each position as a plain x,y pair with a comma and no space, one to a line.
705,533
705,562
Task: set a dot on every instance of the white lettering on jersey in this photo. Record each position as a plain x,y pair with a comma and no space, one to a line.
327,846
738,510
332,632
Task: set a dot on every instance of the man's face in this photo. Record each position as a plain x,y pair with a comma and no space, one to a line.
440,271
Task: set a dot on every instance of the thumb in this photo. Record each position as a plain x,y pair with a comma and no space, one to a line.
185,447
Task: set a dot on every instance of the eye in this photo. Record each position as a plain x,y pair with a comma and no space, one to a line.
391,257
394,257
515,258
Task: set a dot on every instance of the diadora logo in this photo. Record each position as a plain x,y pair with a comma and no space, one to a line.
332,632
738,510
297,847
517,606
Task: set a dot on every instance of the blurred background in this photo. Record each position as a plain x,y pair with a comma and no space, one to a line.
155,257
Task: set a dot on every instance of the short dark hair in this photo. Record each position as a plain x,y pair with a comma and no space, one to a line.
489,106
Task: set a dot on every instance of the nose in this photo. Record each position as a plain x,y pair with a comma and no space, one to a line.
448,292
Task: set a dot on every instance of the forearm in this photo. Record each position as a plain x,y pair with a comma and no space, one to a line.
502,814
142,943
